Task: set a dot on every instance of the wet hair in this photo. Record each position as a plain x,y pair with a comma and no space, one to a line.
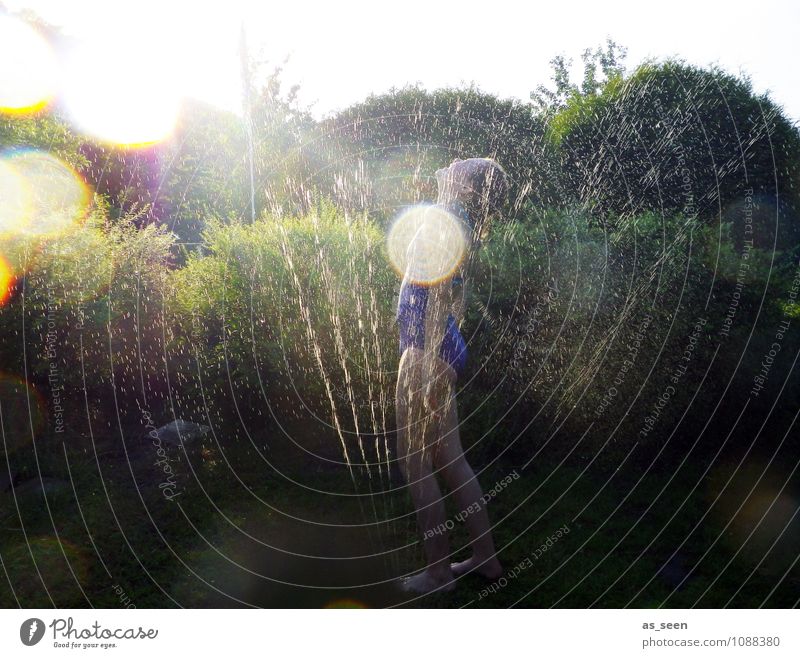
493,185
483,183
481,179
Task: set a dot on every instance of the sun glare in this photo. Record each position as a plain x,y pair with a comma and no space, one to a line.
426,243
120,94
41,195
28,69
6,279
16,201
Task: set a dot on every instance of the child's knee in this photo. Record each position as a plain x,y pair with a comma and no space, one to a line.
457,472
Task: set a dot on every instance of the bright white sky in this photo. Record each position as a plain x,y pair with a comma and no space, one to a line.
342,50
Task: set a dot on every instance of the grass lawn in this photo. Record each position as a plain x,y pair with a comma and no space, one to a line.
243,534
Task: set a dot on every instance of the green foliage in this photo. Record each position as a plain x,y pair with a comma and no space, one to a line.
292,312
283,164
41,131
589,326
203,171
675,138
81,300
645,214
62,567
600,67
385,150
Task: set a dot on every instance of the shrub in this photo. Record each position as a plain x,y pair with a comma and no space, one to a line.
578,328
674,138
83,314
290,314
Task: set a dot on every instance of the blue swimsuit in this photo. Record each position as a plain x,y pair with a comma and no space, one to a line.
411,318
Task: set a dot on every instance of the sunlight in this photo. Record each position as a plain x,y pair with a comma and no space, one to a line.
16,201
6,279
121,95
45,197
271,273
338,604
437,241
28,69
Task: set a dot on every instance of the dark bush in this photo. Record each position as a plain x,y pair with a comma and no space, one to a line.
675,138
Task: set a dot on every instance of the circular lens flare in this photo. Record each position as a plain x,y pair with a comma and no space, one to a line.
24,413
426,244
45,556
15,195
126,97
28,69
45,197
6,280
339,604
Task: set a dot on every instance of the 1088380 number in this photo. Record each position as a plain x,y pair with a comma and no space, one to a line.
756,641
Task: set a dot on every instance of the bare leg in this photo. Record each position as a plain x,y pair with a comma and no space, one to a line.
461,480
415,428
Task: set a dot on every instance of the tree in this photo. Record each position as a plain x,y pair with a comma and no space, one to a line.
674,137
278,129
385,150
599,66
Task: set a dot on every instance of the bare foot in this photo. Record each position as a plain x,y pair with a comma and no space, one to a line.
424,582
490,569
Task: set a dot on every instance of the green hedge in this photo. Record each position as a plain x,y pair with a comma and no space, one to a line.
84,316
288,313
570,325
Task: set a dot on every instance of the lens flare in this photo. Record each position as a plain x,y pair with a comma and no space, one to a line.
757,503
427,243
6,280
123,96
15,200
28,69
339,604
60,565
41,195
19,425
